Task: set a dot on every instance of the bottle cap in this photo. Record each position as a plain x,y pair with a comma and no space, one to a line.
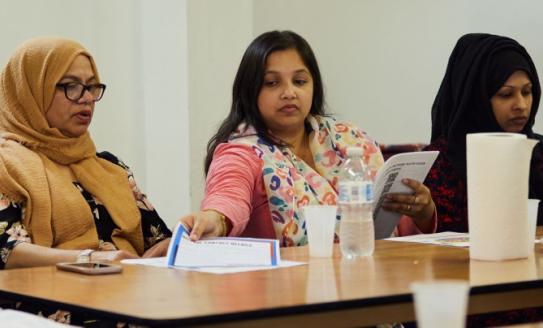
355,151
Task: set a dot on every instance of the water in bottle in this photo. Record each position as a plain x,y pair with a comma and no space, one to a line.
356,235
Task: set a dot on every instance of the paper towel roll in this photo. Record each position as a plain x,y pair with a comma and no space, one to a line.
498,166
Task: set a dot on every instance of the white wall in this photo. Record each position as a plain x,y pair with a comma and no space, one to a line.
219,31
140,49
169,66
164,87
110,30
383,60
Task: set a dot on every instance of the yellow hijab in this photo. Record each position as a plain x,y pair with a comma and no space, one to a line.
34,157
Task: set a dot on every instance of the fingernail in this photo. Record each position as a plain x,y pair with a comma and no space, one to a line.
405,181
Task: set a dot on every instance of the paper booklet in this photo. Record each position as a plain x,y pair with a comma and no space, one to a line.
221,252
446,238
413,165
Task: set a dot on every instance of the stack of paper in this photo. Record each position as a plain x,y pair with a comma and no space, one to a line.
447,238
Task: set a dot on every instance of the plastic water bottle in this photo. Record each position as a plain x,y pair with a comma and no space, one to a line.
356,235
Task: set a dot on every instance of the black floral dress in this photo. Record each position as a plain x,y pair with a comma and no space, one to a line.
13,231
449,191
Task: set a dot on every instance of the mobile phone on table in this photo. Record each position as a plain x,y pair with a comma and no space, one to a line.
91,268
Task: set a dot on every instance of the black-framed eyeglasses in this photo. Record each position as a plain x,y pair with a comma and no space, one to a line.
75,90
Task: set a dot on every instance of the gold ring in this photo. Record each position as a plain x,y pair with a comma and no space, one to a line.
408,208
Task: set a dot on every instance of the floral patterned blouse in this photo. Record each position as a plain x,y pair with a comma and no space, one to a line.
13,232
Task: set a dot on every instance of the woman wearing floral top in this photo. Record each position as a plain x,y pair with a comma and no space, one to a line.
277,151
58,196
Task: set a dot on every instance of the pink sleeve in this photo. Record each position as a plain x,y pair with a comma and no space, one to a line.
407,227
230,183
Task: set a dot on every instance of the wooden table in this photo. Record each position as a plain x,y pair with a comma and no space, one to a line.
333,292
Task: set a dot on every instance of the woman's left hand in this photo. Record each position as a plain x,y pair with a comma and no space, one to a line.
419,205
158,250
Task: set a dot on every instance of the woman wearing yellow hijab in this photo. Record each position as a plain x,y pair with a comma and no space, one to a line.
60,201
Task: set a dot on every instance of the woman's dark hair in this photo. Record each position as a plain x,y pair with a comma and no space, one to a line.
249,80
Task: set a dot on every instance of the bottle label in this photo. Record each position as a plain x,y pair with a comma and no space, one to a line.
355,192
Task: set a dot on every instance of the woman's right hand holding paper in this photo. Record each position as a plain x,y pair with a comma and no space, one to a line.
204,224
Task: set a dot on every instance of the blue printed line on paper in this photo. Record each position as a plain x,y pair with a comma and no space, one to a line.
177,240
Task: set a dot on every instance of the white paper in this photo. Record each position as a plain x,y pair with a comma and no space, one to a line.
18,319
221,252
412,165
162,262
447,238
498,166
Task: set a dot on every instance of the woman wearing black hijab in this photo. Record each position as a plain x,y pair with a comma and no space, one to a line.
490,85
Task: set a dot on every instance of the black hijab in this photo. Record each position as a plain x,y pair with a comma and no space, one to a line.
478,67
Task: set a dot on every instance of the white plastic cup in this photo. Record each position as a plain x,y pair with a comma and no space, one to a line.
533,206
440,303
320,222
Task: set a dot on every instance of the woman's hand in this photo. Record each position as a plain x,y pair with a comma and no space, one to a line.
419,205
159,249
107,256
204,224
